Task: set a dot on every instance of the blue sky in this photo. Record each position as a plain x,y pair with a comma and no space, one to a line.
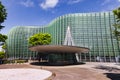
42,12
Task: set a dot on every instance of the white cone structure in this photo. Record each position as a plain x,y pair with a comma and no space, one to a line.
69,41
68,38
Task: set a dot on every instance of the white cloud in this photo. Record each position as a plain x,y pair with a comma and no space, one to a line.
27,3
111,7
49,4
74,1
106,2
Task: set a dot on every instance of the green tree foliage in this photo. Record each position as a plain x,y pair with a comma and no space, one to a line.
117,24
5,50
4,47
2,54
40,39
3,14
3,38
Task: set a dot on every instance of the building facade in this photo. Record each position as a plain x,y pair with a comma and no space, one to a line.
91,30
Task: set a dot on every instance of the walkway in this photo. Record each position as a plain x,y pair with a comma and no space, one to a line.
88,71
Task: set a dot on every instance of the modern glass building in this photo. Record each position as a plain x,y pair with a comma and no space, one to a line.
91,30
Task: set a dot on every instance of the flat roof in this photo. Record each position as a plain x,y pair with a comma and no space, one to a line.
59,49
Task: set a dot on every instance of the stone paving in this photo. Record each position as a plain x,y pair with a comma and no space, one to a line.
88,71
24,74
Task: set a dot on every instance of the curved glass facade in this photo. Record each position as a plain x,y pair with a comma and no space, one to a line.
91,30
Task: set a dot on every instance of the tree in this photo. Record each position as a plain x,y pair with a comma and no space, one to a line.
116,31
3,38
40,39
4,47
2,54
117,28
3,14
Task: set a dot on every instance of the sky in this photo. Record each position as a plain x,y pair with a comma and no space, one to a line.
42,12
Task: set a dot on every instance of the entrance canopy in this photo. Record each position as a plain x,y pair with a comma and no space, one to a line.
59,49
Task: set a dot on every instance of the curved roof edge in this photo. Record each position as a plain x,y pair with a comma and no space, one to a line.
57,18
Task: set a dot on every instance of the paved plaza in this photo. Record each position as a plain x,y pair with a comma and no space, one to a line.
24,74
88,71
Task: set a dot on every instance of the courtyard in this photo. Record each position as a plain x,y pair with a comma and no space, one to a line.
87,71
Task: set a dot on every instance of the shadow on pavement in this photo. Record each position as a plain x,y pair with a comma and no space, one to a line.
49,64
108,68
113,76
